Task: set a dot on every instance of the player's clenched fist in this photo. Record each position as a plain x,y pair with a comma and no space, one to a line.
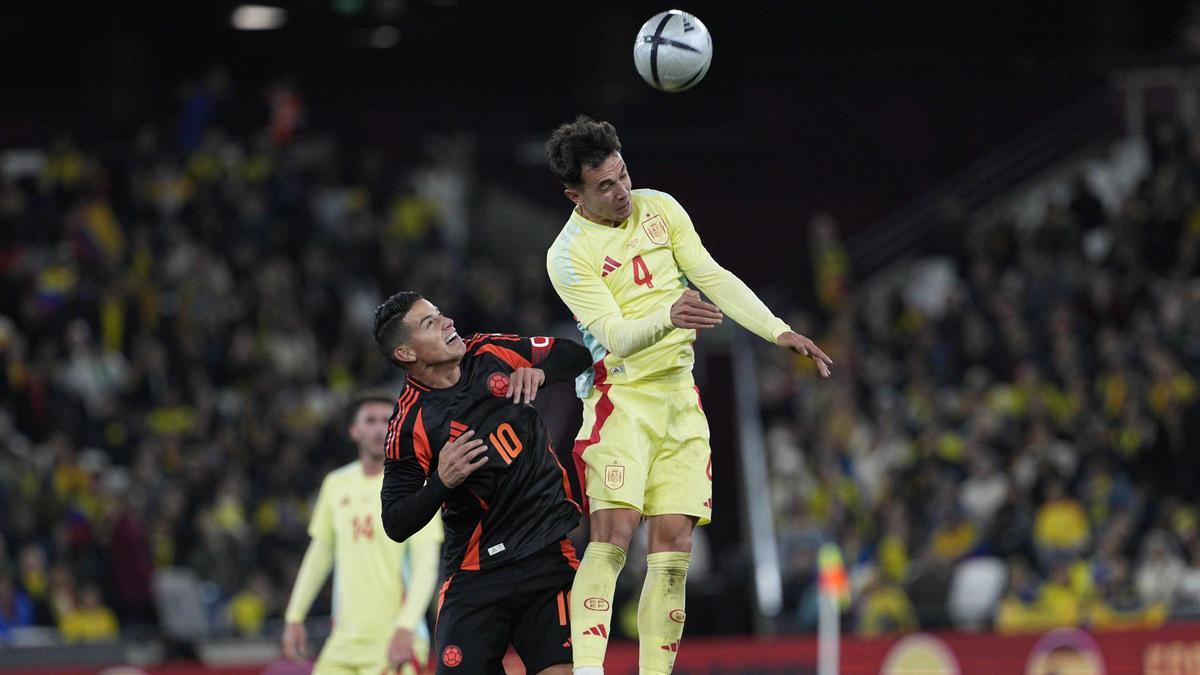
459,458
689,311
523,384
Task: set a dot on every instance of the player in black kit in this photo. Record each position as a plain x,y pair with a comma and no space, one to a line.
464,438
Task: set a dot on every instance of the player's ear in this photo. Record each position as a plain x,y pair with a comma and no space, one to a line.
404,354
574,195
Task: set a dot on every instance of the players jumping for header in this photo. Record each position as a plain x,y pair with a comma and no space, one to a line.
464,438
621,264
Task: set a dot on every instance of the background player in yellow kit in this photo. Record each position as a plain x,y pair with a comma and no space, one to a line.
382,589
621,264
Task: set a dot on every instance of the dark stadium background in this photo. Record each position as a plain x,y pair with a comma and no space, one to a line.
848,107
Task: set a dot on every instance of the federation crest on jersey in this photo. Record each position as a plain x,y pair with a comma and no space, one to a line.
498,384
656,229
452,656
614,476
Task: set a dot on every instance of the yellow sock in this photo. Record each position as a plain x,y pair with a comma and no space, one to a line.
660,611
591,602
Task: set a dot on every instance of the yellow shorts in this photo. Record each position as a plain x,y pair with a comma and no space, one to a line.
342,656
645,448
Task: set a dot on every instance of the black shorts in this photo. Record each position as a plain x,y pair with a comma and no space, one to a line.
524,603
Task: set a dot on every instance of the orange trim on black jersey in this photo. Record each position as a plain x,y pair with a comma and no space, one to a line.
412,381
566,479
421,442
506,355
479,499
471,559
441,601
568,551
403,406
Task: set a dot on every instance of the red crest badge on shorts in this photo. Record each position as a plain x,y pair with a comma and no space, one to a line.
614,476
656,229
451,656
498,383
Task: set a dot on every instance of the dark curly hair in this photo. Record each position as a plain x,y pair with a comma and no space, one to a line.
389,322
574,145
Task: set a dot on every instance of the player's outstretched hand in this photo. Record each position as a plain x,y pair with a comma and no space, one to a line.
689,311
805,347
459,458
523,384
400,651
295,642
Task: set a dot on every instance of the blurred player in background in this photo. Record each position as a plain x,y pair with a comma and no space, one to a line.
506,502
621,264
381,589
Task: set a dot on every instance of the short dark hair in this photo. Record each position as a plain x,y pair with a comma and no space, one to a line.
365,396
389,322
574,145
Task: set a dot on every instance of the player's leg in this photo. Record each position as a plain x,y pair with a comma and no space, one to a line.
541,630
678,496
612,449
474,623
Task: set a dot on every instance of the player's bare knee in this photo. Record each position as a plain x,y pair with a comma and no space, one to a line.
615,526
671,534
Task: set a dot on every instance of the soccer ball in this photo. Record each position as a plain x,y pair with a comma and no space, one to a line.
672,51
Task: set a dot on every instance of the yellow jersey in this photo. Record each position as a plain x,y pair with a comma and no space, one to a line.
368,569
620,283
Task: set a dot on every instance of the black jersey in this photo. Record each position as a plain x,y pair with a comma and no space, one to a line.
517,503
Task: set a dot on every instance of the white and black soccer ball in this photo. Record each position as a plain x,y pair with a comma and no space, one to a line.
673,51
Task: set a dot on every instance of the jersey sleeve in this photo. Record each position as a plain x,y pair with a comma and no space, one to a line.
724,288
314,569
412,490
597,310
320,526
561,360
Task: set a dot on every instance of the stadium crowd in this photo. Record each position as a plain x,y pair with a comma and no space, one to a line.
183,318
1010,440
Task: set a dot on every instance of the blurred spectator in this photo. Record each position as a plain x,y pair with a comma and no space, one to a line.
89,620
1032,607
1160,569
249,609
16,609
883,608
1060,528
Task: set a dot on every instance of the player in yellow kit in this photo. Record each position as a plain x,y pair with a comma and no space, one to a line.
621,264
381,589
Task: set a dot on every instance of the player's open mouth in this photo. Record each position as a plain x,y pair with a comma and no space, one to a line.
452,338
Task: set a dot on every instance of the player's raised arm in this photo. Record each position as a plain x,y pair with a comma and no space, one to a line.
597,311
551,360
731,294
